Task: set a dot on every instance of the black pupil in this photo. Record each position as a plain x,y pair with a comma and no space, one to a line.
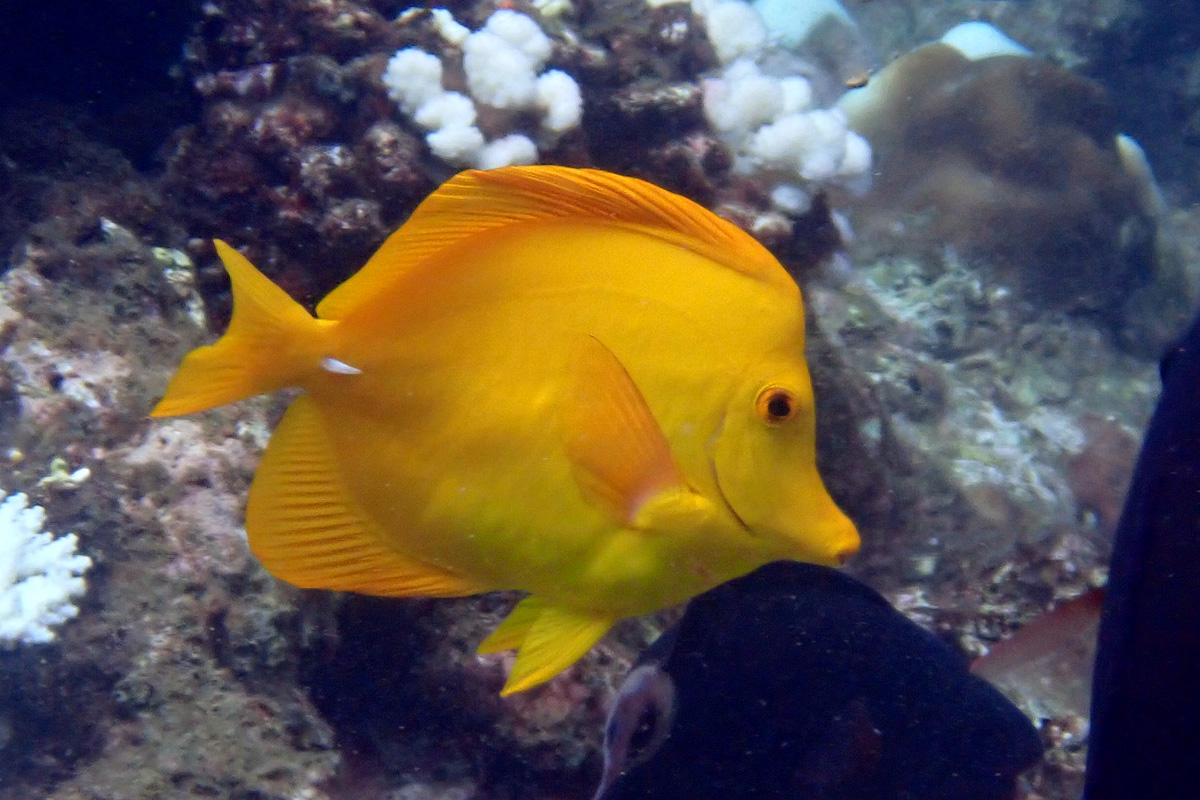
644,732
779,406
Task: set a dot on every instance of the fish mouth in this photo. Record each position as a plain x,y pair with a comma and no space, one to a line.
847,553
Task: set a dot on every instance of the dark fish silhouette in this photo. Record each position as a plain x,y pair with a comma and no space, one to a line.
798,682
1145,732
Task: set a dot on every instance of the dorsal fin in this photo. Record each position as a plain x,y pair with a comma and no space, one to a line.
475,202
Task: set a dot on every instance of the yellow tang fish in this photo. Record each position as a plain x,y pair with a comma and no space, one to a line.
562,381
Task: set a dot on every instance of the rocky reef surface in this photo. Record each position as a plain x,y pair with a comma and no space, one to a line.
980,392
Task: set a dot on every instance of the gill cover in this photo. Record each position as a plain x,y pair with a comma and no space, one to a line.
765,459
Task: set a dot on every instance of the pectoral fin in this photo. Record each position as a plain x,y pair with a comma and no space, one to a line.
619,454
550,639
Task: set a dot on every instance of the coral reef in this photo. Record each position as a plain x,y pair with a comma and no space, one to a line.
304,142
89,310
983,350
985,389
1143,51
1014,158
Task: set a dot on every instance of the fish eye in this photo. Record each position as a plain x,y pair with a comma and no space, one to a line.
645,733
776,405
640,718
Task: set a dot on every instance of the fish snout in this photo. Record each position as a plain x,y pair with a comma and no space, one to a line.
847,552
844,540
829,539
814,532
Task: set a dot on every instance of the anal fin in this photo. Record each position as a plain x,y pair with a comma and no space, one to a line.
550,638
305,529
510,633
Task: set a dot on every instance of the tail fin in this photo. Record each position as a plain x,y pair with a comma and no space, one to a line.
270,344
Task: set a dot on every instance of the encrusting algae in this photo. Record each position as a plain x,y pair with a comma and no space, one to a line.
562,381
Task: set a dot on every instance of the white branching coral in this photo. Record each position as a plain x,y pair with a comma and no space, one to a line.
503,66
777,134
762,105
39,575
